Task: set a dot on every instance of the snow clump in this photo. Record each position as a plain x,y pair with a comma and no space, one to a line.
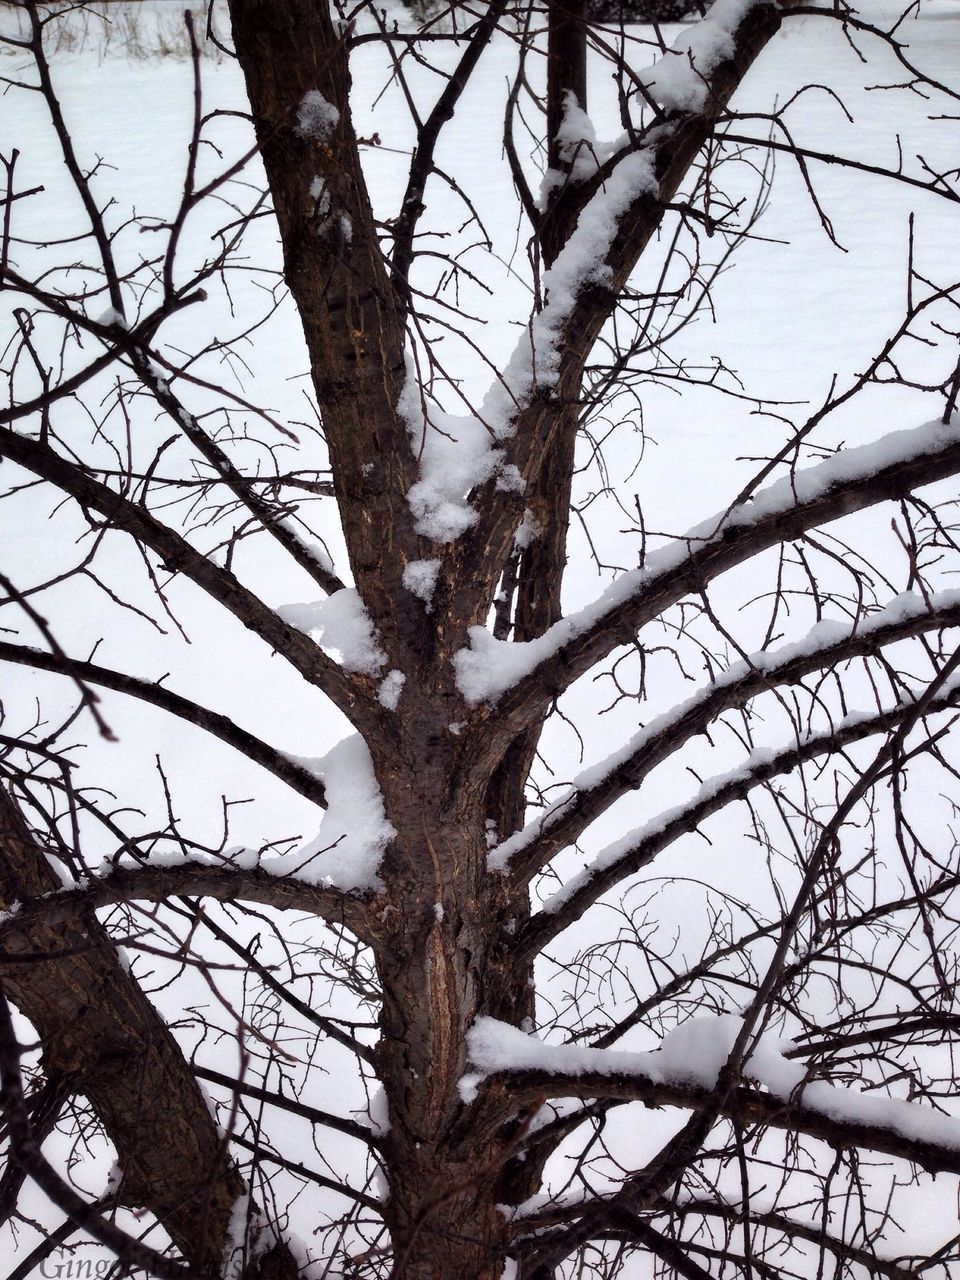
388,695
347,850
456,454
679,80
420,579
579,150
341,624
316,117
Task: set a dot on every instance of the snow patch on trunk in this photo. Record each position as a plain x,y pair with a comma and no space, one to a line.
391,687
316,117
420,579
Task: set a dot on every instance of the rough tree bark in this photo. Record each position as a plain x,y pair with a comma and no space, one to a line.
104,1041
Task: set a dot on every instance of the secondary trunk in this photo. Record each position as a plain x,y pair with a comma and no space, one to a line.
103,1039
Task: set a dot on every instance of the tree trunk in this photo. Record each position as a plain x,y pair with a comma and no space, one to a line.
443,964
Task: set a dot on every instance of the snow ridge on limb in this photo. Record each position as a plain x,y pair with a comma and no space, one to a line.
825,645
686,1068
460,454
638,848
522,677
668,149
680,80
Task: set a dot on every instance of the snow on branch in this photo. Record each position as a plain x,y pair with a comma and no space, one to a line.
532,671
684,1070
459,453
639,847
826,645
347,850
341,624
680,80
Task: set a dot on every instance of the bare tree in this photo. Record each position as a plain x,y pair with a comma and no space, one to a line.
792,1041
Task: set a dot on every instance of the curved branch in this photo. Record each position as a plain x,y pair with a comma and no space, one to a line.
640,847
747,1104
221,726
809,1232
194,879
800,153
528,1232
852,481
178,556
527,852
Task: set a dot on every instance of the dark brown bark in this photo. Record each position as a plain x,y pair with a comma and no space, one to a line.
443,960
351,318
567,59
485,549
103,1040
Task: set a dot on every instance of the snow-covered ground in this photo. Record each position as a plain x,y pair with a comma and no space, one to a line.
795,312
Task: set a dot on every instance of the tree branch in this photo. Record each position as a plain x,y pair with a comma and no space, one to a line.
104,1039
292,1105
190,878
747,1104
221,726
853,481
565,821
657,165
640,847
808,1232
26,1150
411,207
178,556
